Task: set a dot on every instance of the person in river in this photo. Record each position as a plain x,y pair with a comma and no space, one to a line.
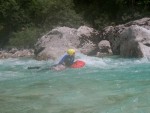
66,61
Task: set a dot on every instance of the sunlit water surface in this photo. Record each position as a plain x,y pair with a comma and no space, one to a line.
104,85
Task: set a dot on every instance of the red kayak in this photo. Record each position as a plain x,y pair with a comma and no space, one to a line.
78,64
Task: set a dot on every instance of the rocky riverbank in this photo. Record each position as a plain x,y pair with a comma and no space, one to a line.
15,53
127,40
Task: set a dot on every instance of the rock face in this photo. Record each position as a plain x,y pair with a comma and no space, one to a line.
131,39
57,41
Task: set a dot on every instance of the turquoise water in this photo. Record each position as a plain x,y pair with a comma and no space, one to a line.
104,85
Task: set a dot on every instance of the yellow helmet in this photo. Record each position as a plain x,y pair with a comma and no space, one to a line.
71,52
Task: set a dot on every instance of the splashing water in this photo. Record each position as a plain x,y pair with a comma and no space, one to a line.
104,85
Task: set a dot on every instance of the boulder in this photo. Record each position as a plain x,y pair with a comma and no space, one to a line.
130,39
135,42
104,48
58,40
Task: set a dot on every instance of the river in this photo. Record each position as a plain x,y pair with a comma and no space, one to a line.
104,85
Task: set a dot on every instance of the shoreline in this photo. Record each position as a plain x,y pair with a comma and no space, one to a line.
16,53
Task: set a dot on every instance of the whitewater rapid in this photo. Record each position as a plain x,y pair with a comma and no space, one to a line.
105,85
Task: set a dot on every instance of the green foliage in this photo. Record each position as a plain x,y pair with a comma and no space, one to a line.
12,16
100,13
25,38
55,13
46,14
43,14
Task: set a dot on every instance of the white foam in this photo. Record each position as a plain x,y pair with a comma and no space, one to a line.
106,62
109,62
93,61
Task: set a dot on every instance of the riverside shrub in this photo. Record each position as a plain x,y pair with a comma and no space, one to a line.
25,38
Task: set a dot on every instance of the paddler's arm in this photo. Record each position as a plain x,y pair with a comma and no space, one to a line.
62,60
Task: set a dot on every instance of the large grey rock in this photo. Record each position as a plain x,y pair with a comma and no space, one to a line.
135,42
57,41
112,34
130,39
